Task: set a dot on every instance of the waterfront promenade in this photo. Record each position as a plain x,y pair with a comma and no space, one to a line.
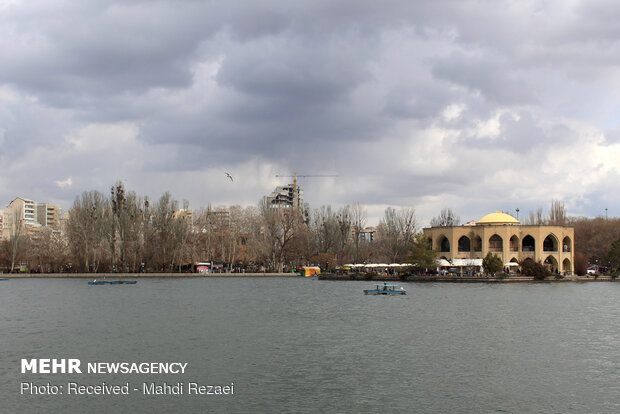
459,279
141,275
327,276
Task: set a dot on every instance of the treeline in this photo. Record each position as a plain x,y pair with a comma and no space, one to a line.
594,237
125,232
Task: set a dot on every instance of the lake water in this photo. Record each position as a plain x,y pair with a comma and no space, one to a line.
295,345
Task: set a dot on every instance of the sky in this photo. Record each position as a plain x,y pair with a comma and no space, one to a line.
476,106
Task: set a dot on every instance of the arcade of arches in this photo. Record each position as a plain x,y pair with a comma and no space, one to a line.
503,235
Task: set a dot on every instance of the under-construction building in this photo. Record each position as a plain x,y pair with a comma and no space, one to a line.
286,196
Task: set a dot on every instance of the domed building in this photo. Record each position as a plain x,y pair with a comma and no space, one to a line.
503,235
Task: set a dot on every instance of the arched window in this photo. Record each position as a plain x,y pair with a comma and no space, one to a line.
550,244
567,267
514,244
566,244
444,244
496,244
464,244
528,244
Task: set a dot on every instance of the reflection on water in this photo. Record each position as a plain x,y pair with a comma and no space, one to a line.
303,346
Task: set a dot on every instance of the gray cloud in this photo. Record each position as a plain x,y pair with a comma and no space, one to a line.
410,103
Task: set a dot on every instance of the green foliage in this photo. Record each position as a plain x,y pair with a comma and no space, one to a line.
421,254
613,256
529,267
492,264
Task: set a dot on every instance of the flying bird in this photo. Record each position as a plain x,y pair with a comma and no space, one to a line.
229,176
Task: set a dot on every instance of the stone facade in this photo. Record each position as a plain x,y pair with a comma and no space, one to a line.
503,235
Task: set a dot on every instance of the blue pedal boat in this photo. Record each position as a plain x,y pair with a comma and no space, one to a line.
385,289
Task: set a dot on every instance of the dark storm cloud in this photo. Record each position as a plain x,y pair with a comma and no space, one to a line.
490,75
299,73
103,48
361,88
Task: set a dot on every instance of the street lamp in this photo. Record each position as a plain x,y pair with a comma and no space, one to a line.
517,213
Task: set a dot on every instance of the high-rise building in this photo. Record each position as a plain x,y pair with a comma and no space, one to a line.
24,213
49,216
20,213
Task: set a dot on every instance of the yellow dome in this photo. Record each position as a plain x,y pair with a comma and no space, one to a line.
498,218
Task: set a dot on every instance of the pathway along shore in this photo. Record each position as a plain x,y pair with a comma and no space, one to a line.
139,275
327,276
459,279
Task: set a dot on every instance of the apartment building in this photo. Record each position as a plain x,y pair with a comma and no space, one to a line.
24,213
49,216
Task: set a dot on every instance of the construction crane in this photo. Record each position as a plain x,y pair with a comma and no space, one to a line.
295,175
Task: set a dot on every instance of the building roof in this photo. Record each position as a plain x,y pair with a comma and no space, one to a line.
498,218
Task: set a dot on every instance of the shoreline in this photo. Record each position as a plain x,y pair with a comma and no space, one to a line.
325,276
458,279
138,275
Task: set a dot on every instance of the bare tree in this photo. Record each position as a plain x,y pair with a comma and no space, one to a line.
358,223
138,214
87,230
249,226
594,236
557,213
126,243
281,228
330,234
129,218
205,227
344,228
238,234
325,230
396,232
48,250
535,218
16,239
446,218
161,248
218,230
181,233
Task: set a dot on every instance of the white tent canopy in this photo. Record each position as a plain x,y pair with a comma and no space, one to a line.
459,262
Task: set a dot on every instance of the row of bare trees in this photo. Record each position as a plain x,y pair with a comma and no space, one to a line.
125,232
